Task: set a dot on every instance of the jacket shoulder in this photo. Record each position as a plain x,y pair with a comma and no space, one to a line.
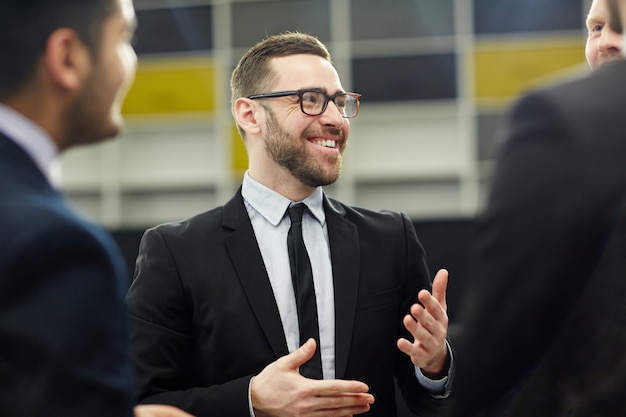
199,223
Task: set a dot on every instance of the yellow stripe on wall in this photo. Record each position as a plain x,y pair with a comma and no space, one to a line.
505,69
172,86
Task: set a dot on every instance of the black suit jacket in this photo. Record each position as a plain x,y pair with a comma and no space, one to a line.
63,327
544,325
204,319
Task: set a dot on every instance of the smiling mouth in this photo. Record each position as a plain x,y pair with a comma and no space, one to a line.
327,143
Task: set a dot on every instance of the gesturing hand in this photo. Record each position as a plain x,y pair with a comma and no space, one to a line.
158,410
428,324
279,390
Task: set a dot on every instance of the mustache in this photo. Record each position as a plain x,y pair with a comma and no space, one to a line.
330,131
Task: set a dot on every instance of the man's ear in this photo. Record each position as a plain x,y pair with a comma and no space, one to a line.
67,59
247,115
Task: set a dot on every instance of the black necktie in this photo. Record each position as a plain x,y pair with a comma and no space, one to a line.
302,277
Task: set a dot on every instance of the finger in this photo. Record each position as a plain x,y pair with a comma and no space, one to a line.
410,324
424,318
440,285
405,346
429,306
421,324
423,345
159,410
348,404
417,350
338,387
431,316
302,355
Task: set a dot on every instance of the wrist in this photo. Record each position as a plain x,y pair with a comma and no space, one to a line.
438,368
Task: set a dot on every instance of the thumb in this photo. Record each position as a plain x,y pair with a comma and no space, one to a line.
440,285
302,355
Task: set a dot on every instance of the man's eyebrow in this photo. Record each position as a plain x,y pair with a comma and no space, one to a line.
324,90
595,19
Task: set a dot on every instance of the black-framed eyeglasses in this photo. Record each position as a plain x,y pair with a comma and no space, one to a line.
315,102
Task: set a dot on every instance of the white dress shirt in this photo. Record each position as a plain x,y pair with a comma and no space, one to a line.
268,214
33,139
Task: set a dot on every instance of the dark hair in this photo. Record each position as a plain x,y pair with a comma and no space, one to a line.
25,26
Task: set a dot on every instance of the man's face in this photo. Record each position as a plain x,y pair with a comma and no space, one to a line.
603,44
310,148
96,113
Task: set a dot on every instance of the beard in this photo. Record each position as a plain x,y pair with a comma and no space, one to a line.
291,153
95,114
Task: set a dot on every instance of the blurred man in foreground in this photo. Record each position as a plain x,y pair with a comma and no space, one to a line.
64,348
544,324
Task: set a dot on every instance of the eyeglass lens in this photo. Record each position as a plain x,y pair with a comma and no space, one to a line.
314,102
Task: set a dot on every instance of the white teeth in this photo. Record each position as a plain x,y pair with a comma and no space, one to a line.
328,143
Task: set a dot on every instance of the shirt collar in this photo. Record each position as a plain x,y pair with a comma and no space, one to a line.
32,138
273,206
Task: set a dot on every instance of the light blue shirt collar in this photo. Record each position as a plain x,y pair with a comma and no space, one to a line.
272,206
32,138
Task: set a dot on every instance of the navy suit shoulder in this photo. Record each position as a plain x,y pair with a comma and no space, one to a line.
62,281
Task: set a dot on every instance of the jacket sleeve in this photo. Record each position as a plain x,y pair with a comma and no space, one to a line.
162,337
416,278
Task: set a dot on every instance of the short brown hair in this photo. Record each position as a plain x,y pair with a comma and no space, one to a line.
253,74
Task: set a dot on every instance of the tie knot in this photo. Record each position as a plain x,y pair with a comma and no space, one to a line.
295,212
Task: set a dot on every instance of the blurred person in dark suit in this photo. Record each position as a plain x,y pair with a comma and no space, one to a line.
214,312
64,347
544,321
603,43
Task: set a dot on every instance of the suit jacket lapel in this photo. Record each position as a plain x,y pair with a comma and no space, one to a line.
248,264
344,245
